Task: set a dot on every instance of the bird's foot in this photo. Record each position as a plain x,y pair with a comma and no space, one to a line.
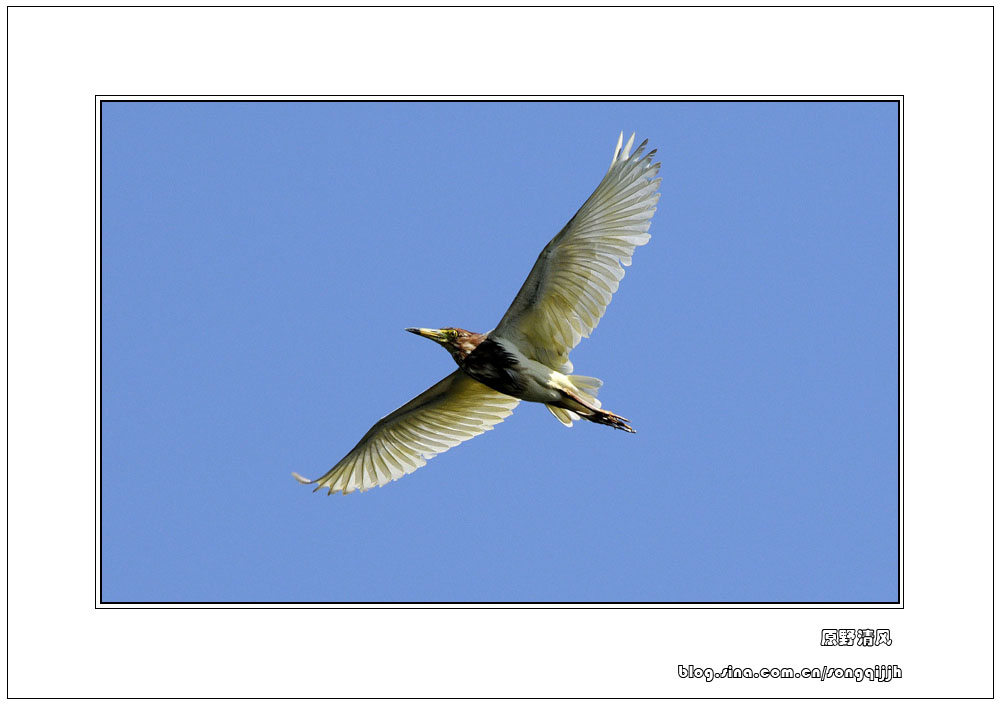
607,418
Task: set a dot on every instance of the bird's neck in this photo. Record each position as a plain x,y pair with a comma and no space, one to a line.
466,345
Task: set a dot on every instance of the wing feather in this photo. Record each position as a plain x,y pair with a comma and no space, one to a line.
454,410
575,276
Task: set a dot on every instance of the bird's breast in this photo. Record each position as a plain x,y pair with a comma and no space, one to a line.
501,366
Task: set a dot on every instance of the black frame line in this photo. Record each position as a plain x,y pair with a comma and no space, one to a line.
504,7
100,603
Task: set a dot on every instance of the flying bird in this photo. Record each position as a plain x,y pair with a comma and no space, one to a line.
526,357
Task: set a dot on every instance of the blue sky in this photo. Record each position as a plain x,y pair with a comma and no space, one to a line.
261,260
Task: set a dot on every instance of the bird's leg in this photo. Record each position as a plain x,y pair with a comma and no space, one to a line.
592,413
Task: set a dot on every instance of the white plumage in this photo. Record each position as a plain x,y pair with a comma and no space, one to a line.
454,410
576,274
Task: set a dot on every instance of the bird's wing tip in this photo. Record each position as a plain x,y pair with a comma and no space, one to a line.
301,479
624,154
628,147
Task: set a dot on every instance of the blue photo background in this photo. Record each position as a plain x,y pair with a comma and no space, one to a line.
261,260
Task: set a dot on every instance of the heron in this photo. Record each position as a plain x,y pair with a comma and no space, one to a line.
526,356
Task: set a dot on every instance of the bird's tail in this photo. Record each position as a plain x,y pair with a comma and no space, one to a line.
579,402
583,387
587,387
565,416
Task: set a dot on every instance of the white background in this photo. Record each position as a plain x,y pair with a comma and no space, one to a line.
61,646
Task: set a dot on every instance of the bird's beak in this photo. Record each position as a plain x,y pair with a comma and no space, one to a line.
434,334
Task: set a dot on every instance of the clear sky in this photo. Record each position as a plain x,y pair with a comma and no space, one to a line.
261,260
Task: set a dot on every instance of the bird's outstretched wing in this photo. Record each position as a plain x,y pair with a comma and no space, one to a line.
453,410
573,279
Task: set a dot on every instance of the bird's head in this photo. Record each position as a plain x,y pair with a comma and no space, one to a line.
458,341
